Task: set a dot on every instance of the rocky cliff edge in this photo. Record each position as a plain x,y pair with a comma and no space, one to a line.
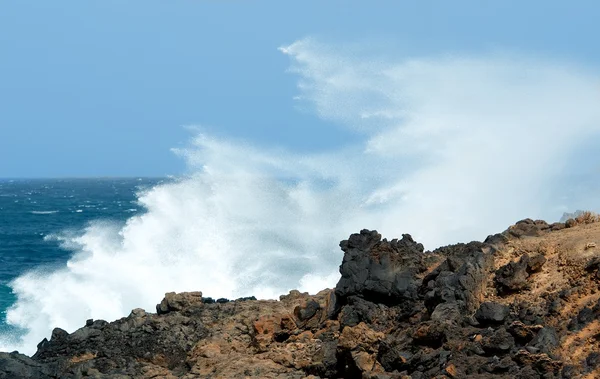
522,304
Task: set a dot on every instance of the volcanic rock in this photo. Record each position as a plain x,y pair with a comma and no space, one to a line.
523,304
491,313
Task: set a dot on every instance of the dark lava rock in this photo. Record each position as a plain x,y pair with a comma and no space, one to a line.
528,228
430,334
380,271
358,309
498,366
307,310
534,262
593,264
59,334
491,313
397,312
584,317
460,279
512,277
496,239
15,365
247,298
497,342
523,333
447,312
593,360
545,340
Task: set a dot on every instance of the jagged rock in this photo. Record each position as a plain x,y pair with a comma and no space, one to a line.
430,334
397,313
359,345
545,340
523,333
307,310
460,279
447,313
60,334
528,228
360,337
380,271
395,355
513,276
174,302
540,362
358,309
15,365
497,342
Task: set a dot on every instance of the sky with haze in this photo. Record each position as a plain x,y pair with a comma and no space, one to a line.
107,88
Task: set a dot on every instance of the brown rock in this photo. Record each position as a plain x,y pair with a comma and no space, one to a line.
174,302
360,336
409,315
451,371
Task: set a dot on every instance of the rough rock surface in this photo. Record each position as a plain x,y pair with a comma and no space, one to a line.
523,304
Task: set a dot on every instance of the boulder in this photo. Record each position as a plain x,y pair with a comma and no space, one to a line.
174,302
512,277
497,342
491,313
545,340
380,271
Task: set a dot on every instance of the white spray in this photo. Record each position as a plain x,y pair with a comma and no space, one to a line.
454,149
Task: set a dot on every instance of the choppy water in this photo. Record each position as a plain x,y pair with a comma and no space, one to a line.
34,213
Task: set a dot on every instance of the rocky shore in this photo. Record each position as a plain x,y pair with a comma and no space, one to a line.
524,303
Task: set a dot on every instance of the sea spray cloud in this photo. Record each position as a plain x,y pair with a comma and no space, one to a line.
478,142
454,149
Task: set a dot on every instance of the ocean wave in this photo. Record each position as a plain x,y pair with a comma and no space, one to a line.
43,212
453,150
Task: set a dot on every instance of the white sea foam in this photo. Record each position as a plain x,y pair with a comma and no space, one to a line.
454,149
43,212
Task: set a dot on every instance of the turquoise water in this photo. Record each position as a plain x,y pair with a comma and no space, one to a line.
33,213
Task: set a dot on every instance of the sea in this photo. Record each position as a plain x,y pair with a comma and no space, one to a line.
34,213
76,249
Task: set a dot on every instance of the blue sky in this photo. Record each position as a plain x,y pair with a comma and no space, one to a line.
104,88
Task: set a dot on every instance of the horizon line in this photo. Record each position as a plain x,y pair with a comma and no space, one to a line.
85,177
